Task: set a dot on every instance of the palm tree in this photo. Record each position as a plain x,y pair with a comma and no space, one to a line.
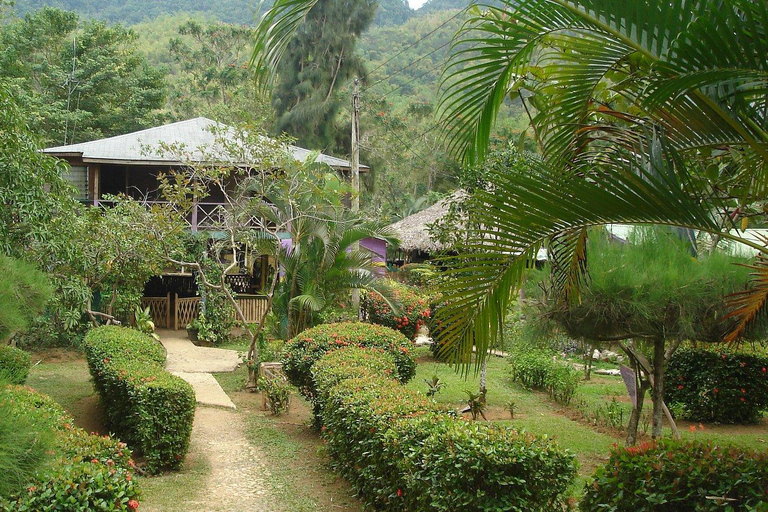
645,112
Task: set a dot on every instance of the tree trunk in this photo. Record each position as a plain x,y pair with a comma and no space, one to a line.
637,412
483,374
659,363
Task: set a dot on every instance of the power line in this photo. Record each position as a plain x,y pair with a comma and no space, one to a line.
409,65
418,40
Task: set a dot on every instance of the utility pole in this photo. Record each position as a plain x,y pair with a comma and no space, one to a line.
355,168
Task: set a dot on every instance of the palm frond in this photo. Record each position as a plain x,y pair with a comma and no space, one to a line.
567,255
273,34
745,306
521,211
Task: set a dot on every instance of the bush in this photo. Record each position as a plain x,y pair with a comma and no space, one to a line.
147,406
679,476
14,365
724,387
538,369
414,309
82,472
304,350
278,394
403,453
420,275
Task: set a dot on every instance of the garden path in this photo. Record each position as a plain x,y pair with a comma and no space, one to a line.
195,365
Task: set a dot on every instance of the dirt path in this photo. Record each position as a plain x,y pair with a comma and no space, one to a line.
238,478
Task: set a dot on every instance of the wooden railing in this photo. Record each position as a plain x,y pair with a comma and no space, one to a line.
254,307
186,310
159,310
201,217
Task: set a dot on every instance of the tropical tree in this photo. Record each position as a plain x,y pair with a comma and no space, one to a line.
79,80
316,60
652,114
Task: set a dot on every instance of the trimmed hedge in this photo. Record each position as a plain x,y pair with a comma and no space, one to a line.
147,406
305,349
14,364
677,476
724,387
401,452
85,472
414,308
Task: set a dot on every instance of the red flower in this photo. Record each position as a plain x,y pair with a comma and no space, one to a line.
680,386
133,504
715,391
128,478
743,399
743,391
764,370
399,493
95,461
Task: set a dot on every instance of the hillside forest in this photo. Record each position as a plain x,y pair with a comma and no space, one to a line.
87,69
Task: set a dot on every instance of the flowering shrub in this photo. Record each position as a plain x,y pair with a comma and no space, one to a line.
86,472
538,369
414,309
306,348
14,364
147,406
679,476
401,452
725,387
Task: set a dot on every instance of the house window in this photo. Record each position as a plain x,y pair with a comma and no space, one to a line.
78,178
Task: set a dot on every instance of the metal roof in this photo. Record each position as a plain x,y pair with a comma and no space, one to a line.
197,136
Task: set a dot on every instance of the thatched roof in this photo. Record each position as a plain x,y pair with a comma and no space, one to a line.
412,230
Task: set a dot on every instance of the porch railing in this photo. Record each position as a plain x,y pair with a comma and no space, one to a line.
186,309
201,217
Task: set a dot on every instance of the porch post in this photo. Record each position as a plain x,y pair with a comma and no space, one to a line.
194,215
168,310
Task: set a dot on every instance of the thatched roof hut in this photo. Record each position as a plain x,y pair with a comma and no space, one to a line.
412,230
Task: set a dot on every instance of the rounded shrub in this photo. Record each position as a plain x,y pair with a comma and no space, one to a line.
81,471
306,348
414,309
14,364
717,386
402,452
678,476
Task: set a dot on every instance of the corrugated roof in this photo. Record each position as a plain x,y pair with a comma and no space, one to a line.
198,136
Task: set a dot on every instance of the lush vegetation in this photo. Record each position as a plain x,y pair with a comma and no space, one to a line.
147,406
14,364
540,369
679,476
303,351
49,464
393,443
718,386
412,309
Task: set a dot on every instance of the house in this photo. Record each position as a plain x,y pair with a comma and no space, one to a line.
130,164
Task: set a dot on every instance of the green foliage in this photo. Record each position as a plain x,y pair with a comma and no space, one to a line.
111,91
24,291
652,287
434,385
717,386
31,187
679,476
540,369
419,275
304,350
278,394
320,61
402,453
414,309
14,365
63,467
150,408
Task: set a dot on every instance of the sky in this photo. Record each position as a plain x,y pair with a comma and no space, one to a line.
415,4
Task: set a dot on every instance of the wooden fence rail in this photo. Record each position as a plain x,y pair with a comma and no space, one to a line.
186,310
159,310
